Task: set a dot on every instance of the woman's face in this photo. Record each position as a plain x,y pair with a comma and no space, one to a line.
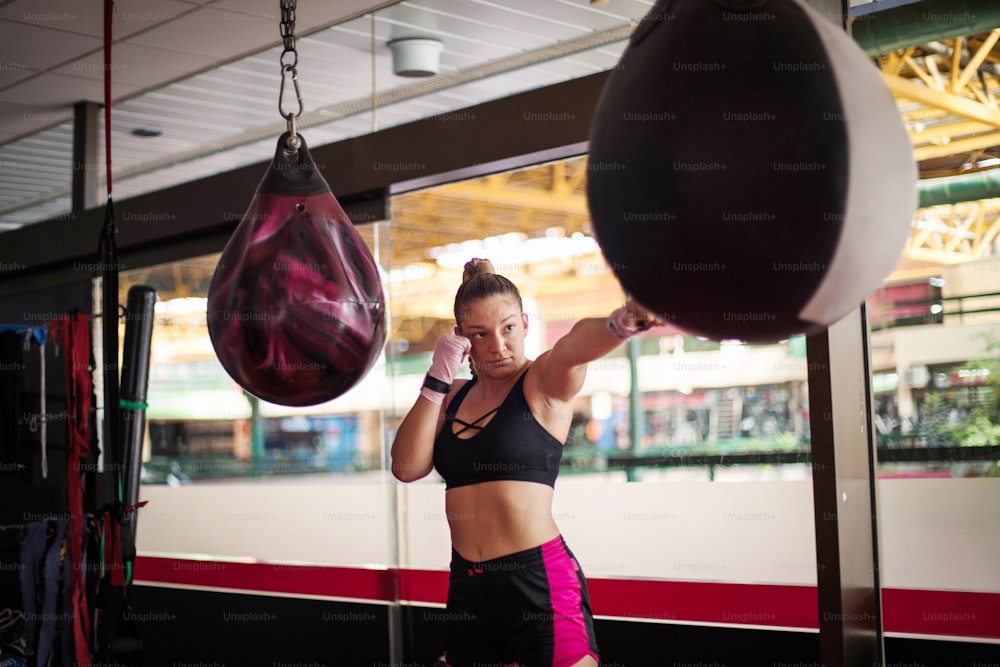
497,327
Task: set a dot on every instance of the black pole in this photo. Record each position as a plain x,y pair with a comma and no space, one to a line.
118,640
108,252
135,381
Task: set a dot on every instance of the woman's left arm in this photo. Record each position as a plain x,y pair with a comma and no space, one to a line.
562,370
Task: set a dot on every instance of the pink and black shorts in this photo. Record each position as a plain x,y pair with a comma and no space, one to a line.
529,608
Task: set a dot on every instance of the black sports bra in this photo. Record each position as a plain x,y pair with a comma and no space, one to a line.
512,446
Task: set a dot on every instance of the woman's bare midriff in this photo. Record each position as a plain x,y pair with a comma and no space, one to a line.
494,519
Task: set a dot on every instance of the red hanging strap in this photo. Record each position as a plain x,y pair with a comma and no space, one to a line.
114,562
73,333
109,10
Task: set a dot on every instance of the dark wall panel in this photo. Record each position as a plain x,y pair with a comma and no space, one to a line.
184,627
25,494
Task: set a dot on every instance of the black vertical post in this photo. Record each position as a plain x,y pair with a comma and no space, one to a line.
844,495
116,631
845,498
135,381
84,183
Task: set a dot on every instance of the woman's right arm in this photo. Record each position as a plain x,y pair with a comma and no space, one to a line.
413,447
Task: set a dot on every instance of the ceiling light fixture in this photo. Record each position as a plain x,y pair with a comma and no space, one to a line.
416,56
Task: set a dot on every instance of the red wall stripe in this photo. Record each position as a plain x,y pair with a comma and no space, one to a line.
706,602
424,586
925,612
346,582
958,613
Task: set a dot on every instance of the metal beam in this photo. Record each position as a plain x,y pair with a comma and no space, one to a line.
940,99
960,80
956,147
916,23
968,187
958,233
948,131
85,168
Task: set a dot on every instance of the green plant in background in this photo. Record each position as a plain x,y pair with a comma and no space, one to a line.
977,431
982,426
934,427
787,441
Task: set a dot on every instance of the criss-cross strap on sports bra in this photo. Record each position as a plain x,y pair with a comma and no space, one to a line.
511,446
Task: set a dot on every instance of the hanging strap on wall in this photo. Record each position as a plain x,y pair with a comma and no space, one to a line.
108,251
73,334
32,559
67,605
109,10
40,586
30,334
50,604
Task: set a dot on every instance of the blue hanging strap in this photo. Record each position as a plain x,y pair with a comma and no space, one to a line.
66,626
36,334
50,605
32,557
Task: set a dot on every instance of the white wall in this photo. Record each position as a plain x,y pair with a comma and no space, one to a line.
935,533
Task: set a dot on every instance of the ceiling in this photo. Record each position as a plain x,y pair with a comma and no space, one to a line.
204,77
206,74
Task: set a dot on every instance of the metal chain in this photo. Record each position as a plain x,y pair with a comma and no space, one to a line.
289,60
288,25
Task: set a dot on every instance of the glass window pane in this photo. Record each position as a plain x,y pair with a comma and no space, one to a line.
935,341
693,471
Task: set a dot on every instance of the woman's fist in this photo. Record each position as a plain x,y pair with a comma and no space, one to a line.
631,319
449,353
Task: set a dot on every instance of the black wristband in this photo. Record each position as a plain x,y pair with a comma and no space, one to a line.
434,384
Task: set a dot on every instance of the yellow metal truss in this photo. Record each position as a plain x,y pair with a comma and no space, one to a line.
946,93
955,233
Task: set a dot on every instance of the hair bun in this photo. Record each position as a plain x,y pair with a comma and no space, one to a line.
476,267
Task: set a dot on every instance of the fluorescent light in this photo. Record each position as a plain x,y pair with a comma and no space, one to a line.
514,251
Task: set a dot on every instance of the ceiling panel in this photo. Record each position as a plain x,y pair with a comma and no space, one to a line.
562,19
11,73
43,34
309,16
255,75
137,66
218,33
464,35
48,91
38,47
88,18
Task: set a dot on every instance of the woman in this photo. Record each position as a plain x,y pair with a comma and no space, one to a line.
516,594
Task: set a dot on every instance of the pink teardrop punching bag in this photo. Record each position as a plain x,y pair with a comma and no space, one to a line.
296,310
749,175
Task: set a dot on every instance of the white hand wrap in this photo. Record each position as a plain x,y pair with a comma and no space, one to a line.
449,352
629,320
